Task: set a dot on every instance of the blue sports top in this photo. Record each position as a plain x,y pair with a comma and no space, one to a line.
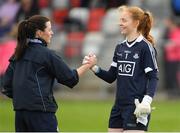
135,68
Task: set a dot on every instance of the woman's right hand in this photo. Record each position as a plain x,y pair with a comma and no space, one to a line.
90,59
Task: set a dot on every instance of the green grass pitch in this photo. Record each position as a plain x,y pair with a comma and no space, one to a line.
92,116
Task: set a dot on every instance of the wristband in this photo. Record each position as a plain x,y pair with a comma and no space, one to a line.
95,69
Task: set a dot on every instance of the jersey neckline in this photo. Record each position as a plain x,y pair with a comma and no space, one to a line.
140,38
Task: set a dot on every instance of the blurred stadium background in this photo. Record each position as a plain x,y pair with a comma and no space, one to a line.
83,26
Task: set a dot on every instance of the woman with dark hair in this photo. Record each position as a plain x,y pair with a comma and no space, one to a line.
30,76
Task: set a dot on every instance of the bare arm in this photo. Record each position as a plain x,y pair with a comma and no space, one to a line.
82,69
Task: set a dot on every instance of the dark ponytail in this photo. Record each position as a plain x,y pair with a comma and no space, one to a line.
21,39
27,30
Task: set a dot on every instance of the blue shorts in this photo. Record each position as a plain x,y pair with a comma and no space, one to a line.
35,121
123,117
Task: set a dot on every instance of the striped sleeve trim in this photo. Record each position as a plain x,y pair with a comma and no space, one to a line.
152,53
148,69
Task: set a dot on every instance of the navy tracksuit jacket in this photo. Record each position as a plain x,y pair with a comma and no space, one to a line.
29,81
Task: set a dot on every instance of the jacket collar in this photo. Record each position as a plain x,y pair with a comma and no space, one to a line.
37,41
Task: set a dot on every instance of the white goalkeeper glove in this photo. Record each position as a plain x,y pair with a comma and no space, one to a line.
144,107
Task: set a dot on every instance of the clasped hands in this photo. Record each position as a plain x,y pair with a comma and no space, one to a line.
90,60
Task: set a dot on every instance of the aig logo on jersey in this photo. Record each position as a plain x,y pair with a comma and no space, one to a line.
126,68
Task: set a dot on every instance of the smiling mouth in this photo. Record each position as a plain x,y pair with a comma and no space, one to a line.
122,28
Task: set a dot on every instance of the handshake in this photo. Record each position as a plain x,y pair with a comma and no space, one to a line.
91,60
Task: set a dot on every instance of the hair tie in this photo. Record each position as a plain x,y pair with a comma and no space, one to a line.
25,23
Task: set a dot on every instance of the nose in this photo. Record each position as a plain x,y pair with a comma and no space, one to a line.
120,23
52,32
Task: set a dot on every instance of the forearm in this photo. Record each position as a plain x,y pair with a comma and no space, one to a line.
82,69
152,83
108,76
152,87
7,80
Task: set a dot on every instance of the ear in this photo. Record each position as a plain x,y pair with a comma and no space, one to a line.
136,23
38,33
